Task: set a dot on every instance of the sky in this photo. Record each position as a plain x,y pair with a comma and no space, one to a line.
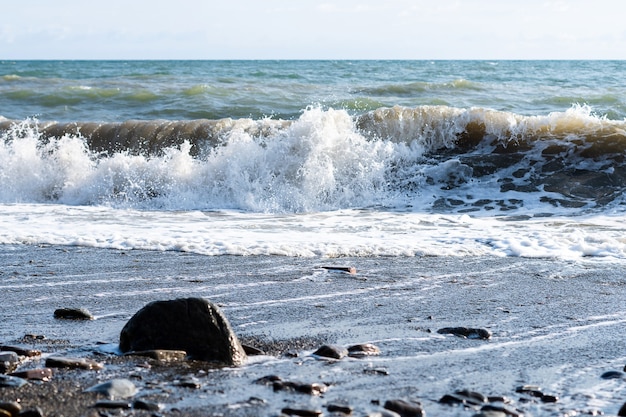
313,29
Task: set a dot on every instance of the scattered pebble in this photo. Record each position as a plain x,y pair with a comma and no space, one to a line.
405,408
115,388
73,314
40,374
73,363
466,332
364,349
303,412
612,375
331,351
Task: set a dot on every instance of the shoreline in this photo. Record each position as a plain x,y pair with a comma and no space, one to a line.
554,324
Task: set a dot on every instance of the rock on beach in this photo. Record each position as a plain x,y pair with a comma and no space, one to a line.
193,325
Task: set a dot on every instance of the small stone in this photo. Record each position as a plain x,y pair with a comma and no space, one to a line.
148,406
532,390
125,405
252,351
41,374
74,363
339,408
331,351
12,381
303,412
115,388
466,332
311,389
73,314
405,408
364,349
490,408
12,407
21,351
547,398
268,379
8,361
612,375
190,382
161,355
346,269
376,371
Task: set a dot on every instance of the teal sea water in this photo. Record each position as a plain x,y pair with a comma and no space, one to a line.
113,91
317,158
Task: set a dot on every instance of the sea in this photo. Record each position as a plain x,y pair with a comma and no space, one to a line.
319,159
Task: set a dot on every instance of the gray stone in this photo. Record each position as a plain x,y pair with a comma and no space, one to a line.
193,325
115,388
73,314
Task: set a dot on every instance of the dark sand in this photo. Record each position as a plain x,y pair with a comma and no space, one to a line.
556,324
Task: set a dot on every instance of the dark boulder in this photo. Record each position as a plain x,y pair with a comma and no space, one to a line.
193,325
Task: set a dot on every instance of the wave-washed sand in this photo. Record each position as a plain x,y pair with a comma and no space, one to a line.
557,325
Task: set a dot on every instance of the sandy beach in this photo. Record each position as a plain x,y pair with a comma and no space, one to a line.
557,325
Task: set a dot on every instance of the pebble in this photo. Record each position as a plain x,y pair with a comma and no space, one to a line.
466,332
112,404
347,269
405,408
339,408
532,390
331,351
21,351
115,388
612,375
501,409
311,389
148,406
73,314
12,381
41,374
301,412
8,362
74,363
364,349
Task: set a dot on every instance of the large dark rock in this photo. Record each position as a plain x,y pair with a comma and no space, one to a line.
191,324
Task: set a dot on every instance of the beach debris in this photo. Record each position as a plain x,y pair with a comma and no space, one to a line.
8,361
161,355
115,388
73,314
345,269
194,325
40,374
331,351
466,332
362,350
7,381
73,363
405,408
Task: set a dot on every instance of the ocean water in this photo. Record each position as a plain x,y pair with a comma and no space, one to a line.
316,158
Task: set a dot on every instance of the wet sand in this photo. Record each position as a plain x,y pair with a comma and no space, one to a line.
555,324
